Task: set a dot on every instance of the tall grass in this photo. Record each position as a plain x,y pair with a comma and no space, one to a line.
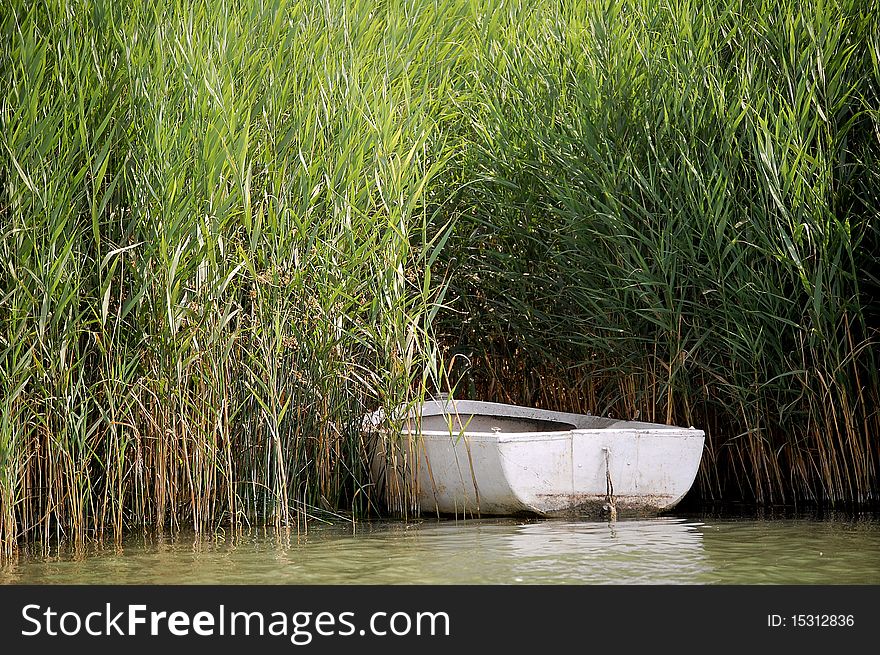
229,229
673,213
214,231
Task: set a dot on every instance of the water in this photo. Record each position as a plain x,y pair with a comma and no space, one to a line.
666,550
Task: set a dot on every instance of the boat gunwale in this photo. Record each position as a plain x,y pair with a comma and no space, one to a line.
551,435
458,408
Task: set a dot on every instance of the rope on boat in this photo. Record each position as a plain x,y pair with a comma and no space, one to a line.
609,508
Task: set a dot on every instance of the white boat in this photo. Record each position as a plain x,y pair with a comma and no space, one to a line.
481,459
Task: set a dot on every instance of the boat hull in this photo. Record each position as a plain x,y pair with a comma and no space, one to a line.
480,459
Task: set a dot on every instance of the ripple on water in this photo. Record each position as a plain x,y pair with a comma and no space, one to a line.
666,550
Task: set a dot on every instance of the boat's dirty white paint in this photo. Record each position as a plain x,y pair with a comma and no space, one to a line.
476,458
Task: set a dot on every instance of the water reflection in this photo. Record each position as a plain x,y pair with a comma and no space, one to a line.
665,550
625,552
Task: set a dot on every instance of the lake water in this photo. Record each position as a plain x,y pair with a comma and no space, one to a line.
665,550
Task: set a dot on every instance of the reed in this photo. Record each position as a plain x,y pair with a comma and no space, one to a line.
229,229
215,223
673,212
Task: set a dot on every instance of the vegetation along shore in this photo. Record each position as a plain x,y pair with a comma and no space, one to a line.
229,229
